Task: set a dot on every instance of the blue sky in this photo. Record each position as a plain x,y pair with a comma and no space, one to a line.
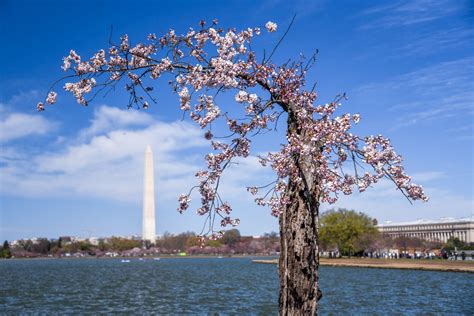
407,67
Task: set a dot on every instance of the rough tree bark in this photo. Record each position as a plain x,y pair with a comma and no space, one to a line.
299,256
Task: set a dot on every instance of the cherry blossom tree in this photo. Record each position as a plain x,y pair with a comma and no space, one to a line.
320,159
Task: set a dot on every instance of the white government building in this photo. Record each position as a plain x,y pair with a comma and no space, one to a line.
435,230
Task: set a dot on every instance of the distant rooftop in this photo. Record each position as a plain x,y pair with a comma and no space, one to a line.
428,221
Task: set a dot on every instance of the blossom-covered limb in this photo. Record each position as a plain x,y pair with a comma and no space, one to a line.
199,65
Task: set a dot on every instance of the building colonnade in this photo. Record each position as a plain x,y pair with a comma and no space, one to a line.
432,231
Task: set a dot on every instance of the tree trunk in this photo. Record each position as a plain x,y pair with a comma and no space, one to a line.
299,256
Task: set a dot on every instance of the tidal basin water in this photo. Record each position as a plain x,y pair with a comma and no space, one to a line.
218,286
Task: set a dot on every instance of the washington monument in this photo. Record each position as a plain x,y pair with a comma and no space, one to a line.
149,232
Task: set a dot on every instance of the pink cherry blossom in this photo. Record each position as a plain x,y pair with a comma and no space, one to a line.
51,98
271,27
40,106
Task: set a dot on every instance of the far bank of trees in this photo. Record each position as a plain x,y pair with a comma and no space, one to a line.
232,243
342,233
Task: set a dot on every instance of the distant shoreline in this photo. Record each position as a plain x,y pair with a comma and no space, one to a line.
404,264
138,257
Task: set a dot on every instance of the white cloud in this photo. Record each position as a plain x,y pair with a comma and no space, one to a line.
107,118
15,125
110,164
9,154
29,97
18,125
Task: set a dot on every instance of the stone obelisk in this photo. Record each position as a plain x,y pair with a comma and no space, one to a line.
149,232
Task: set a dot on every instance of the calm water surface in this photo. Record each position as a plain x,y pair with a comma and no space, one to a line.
218,286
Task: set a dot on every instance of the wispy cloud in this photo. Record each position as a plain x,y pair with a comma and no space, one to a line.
408,13
429,42
442,202
428,176
462,133
441,91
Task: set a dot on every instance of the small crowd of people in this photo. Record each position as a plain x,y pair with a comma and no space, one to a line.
455,255
395,254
